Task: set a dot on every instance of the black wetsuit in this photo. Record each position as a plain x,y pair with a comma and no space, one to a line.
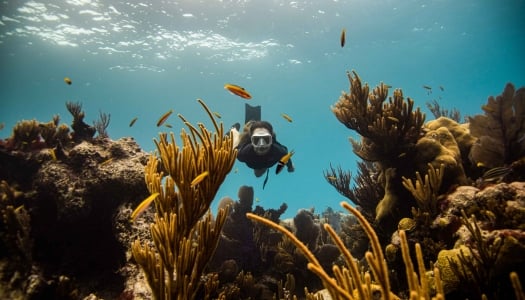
246,154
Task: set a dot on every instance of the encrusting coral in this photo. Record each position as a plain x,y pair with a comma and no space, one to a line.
184,232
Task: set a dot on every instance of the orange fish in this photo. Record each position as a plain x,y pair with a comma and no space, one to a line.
164,117
343,37
68,80
283,161
238,90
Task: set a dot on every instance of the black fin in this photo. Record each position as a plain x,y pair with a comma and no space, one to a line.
251,113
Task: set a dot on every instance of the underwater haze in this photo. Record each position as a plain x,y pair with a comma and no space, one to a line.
142,58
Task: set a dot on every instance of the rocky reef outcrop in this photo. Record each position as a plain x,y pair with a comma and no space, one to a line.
65,204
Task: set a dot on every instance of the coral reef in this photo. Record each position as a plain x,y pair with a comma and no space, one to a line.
445,195
426,185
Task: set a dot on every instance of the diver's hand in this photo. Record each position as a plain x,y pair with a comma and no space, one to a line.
235,135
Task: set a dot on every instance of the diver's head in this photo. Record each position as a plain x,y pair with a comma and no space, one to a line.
261,137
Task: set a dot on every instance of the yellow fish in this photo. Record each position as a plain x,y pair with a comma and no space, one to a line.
199,178
331,178
343,37
218,115
164,117
283,161
237,90
286,117
168,125
133,121
142,206
68,81
107,161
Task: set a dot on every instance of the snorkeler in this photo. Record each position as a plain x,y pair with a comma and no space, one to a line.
257,145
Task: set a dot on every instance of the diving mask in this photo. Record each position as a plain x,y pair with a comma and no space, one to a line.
261,140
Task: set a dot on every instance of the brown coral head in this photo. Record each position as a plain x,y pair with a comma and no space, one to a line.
228,271
246,196
437,146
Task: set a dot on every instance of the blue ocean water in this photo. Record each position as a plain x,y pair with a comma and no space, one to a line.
143,58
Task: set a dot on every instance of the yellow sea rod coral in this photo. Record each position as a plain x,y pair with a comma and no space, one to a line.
184,232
